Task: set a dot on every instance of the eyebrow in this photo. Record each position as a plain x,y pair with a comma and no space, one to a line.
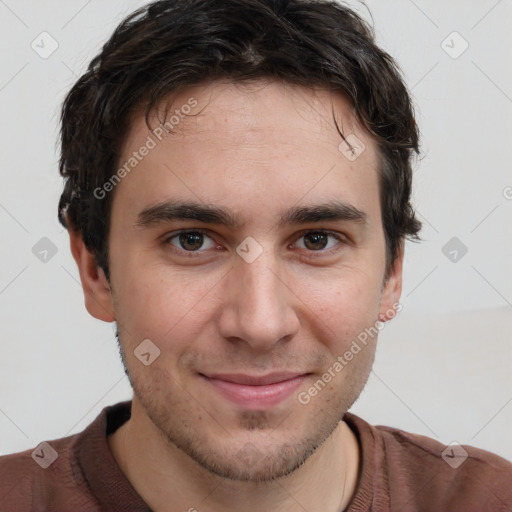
167,211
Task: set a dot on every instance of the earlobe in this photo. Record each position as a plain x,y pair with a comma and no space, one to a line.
97,293
389,305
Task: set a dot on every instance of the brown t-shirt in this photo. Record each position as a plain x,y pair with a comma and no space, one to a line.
398,472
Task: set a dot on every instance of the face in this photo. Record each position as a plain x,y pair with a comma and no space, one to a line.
250,251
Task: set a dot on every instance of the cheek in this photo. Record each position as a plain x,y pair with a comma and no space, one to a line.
346,302
162,305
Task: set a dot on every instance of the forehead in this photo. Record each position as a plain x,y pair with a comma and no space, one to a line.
270,143
242,109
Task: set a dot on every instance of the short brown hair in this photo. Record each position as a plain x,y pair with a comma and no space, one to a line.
171,44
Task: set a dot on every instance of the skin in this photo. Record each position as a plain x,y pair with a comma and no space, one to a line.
255,149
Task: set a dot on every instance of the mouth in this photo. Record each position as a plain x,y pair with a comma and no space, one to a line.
257,392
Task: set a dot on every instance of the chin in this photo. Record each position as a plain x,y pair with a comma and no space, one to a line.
253,464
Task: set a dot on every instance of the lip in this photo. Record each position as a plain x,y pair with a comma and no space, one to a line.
256,392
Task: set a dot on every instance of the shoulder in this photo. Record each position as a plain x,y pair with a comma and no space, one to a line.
454,461
436,476
76,472
45,477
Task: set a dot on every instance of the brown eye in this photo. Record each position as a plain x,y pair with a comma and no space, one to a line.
319,241
191,241
315,241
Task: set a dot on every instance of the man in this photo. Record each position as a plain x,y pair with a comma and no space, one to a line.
237,195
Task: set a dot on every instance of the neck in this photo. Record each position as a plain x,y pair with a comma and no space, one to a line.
168,479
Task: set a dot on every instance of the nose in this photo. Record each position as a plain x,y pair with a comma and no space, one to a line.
258,306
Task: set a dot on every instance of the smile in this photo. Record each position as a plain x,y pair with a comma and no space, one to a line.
255,392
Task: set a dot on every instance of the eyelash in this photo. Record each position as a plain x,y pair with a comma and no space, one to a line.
192,254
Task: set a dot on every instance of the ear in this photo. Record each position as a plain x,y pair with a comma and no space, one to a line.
389,304
97,294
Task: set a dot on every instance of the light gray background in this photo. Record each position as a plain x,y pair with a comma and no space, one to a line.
443,366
